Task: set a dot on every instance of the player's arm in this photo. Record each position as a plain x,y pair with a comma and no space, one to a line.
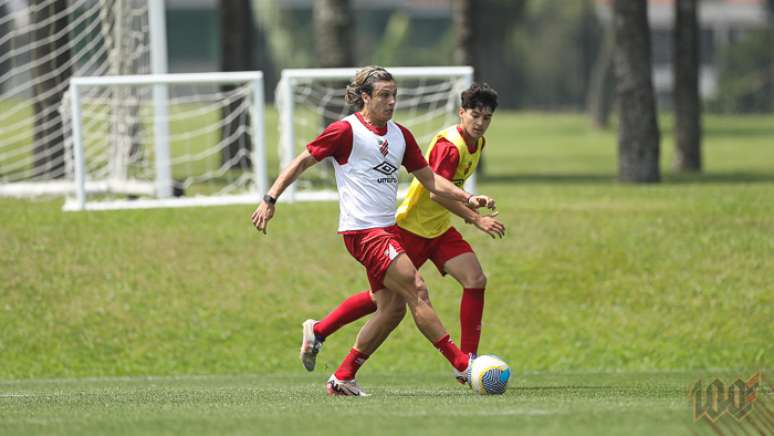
265,210
335,141
416,164
444,160
488,224
446,189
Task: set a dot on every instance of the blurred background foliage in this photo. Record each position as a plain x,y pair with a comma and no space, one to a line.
746,82
539,54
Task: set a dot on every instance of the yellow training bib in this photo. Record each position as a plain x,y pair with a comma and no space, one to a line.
418,213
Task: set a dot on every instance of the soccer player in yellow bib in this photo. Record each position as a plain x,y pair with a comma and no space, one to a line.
426,231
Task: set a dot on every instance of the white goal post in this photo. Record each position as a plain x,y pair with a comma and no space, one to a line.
309,99
43,43
170,155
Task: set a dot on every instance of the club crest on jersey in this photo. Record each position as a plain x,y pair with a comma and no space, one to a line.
384,146
385,168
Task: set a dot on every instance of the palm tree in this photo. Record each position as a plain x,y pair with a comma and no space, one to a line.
638,134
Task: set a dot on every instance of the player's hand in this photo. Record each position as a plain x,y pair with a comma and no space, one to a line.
476,201
260,218
490,225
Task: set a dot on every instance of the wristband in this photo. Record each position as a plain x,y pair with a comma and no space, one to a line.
269,199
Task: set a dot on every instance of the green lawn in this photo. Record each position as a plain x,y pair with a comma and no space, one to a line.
601,294
427,404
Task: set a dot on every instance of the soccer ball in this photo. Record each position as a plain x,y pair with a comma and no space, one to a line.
489,375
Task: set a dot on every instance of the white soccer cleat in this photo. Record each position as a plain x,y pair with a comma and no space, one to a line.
310,345
463,377
348,388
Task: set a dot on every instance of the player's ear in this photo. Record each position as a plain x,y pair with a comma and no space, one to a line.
461,112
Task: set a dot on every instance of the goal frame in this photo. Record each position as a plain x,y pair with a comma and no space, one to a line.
163,182
153,61
285,88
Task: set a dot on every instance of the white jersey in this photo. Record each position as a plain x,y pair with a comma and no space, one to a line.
368,180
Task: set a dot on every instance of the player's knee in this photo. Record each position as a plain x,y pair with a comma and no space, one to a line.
423,295
475,280
478,281
417,293
395,313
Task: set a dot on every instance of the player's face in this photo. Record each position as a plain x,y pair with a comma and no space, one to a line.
380,105
475,121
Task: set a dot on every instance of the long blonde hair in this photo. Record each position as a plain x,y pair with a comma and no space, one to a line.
364,82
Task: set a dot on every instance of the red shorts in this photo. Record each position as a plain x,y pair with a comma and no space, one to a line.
439,249
375,249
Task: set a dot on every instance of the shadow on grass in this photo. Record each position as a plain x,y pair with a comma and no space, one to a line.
735,177
721,177
548,178
739,132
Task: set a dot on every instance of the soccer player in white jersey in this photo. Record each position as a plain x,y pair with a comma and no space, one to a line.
367,148
426,231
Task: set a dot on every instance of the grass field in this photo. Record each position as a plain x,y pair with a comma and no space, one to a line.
550,404
607,300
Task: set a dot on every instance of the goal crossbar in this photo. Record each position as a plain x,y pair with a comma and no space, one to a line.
398,72
285,96
163,183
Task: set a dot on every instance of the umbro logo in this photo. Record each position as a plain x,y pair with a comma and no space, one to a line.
386,168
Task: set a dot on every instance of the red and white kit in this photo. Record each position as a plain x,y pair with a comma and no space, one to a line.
366,162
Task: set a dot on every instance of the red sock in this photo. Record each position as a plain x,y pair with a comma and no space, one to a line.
457,358
351,309
471,312
348,368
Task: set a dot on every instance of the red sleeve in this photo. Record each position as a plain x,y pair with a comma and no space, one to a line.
335,140
444,159
412,158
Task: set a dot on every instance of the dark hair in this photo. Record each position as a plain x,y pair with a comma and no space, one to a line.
364,82
479,96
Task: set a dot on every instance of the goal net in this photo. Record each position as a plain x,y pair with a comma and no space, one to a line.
166,140
43,43
310,99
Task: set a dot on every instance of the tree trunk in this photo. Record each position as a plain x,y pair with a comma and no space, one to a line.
237,36
599,101
50,75
5,43
685,61
334,45
464,22
333,33
495,19
638,134
465,33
